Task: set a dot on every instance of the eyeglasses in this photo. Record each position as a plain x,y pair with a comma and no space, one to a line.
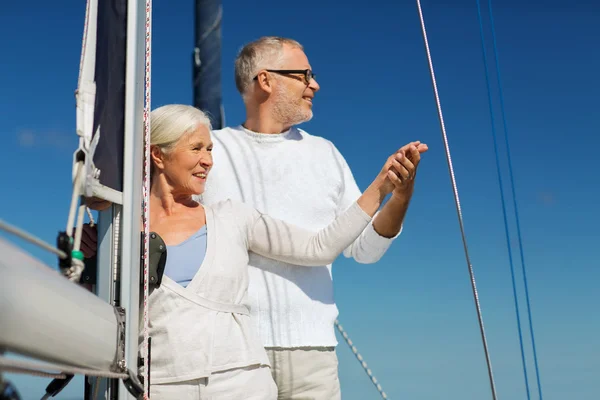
308,74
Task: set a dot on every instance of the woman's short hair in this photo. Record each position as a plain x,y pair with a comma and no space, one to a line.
171,122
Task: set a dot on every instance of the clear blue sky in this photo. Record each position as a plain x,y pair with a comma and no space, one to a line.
411,315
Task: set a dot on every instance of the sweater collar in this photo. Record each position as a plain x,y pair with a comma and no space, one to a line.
266,137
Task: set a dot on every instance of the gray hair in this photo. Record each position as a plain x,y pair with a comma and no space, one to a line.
169,123
266,52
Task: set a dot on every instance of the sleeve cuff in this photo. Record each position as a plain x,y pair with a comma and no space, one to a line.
374,240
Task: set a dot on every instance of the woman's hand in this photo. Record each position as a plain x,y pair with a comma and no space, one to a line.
398,174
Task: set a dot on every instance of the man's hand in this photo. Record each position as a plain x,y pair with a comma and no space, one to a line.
97,204
89,240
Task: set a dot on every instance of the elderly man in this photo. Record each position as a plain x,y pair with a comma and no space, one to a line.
270,164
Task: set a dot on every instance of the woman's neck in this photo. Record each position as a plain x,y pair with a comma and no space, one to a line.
164,201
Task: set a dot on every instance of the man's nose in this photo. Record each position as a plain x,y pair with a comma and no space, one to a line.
314,85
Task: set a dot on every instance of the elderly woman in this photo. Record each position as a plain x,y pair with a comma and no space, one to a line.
203,343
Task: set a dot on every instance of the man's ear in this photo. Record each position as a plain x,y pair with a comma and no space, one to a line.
265,81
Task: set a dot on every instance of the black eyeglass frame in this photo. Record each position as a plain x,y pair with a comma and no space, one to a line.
308,74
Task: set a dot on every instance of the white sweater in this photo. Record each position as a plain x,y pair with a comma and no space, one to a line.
205,327
302,179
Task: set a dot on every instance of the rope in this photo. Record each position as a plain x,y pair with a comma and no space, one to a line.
39,374
84,41
77,182
96,389
90,216
79,227
30,238
361,360
513,190
458,208
146,191
32,368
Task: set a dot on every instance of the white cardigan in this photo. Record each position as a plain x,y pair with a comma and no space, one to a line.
206,327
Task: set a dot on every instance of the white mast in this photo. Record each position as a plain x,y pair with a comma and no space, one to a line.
132,181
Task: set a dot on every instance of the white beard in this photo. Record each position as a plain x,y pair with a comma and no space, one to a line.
289,109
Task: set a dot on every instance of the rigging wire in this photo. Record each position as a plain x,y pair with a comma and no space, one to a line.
31,239
36,368
360,359
504,213
513,192
458,208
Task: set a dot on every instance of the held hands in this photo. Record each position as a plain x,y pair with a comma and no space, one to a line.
398,173
397,177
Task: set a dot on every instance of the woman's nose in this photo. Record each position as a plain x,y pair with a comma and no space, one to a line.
207,160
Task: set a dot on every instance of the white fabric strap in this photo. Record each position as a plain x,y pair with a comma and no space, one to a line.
173,286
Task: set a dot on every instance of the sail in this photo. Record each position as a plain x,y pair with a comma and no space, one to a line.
101,99
109,116
207,61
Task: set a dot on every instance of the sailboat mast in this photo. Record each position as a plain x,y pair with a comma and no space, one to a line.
132,181
206,60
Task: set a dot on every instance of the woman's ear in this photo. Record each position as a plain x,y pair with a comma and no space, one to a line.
157,157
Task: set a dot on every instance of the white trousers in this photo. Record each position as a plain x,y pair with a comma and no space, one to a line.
250,383
305,373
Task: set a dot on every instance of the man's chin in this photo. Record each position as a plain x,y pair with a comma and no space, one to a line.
305,118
